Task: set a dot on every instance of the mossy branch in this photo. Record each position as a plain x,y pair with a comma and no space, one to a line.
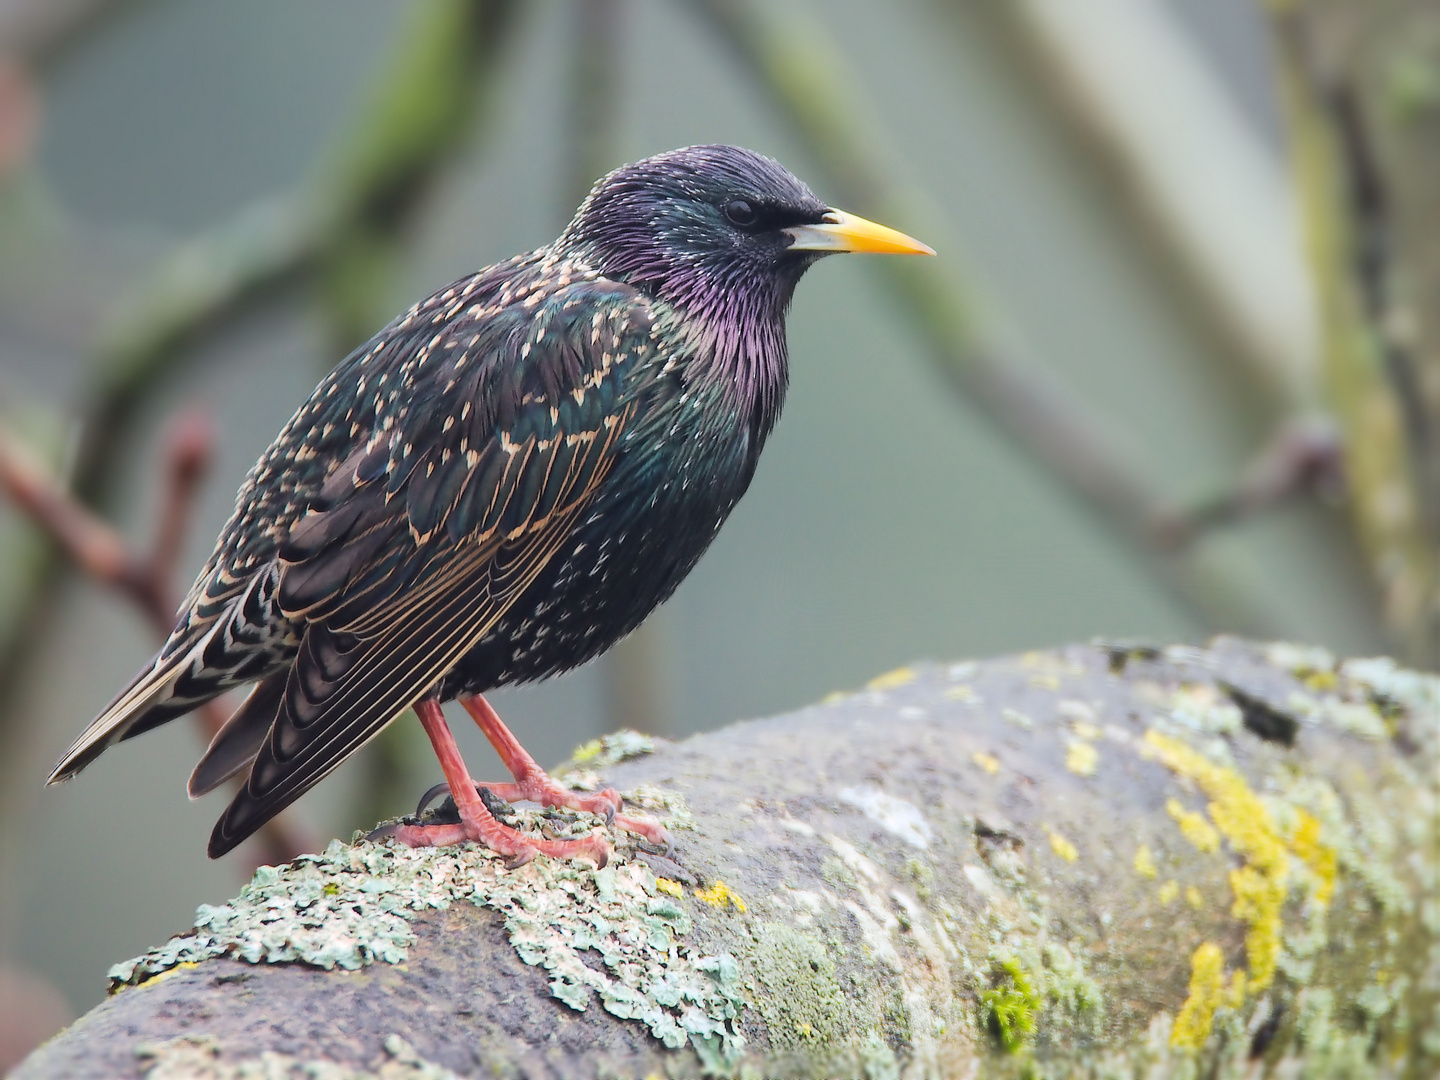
1099,861
1366,187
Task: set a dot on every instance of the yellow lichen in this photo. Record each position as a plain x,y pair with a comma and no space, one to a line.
1081,758
1207,982
892,680
665,885
1045,682
585,751
718,895
1315,854
833,697
989,762
1194,827
1193,898
1208,992
1242,818
1168,892
1062,847
1145,862
962,692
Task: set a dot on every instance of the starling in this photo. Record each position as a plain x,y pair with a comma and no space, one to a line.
496,487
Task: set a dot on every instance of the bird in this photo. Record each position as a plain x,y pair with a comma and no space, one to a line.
498,486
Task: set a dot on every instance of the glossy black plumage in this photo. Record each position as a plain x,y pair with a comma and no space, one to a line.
495,488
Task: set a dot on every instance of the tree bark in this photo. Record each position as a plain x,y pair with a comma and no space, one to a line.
1098,861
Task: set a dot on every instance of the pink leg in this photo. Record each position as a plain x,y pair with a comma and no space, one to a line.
534,784
476,823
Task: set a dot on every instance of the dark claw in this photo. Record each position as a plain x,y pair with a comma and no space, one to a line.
650,849
429,797
378,834
609,816
519,859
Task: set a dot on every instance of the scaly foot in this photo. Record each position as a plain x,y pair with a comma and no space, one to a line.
604,802
515,845
534,784
476,822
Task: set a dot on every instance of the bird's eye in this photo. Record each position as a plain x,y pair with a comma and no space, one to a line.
739,212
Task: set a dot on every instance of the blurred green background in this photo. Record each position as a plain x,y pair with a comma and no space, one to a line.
1115,228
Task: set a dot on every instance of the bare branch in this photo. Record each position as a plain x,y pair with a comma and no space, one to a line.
37,28
86,540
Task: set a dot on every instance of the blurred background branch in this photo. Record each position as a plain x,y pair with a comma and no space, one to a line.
147,580
340,230
804,75
1354,90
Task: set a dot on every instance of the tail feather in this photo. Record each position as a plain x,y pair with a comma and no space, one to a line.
236,744
202,659
143,704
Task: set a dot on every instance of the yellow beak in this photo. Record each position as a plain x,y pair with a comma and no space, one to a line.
846,232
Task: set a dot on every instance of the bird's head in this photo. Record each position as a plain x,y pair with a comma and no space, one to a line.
719,231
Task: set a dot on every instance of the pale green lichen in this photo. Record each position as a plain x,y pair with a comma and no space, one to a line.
1355,696
1016,717
663,803
353,905
1358,718
201,1057
1299,660
798,992
1203,707
1391,687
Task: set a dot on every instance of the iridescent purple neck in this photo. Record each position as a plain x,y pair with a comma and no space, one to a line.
728,317
736,338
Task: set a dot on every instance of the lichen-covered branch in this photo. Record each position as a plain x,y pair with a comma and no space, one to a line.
1362,127
1104,861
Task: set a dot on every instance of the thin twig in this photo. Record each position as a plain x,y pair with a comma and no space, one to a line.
1304,456
39,29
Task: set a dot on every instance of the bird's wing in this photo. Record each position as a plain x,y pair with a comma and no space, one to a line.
416,546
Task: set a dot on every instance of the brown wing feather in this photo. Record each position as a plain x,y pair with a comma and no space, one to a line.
352,678
343,690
